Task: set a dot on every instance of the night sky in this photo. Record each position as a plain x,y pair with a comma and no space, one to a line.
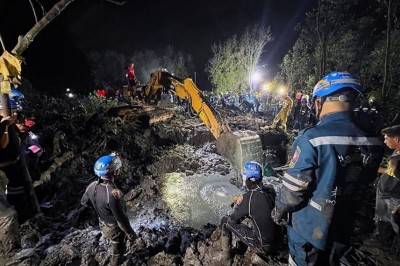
56,58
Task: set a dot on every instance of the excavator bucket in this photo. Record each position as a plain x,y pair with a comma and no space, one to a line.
240,147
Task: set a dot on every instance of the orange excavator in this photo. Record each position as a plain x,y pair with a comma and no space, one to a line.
237,146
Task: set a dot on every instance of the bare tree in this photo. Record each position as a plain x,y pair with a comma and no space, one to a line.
251,47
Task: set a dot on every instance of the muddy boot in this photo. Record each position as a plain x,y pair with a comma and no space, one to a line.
382,238
226,248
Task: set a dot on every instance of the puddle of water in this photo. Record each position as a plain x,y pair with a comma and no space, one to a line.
198,199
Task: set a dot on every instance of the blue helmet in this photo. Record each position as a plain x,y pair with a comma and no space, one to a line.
252,170
107,165
16,95
335,81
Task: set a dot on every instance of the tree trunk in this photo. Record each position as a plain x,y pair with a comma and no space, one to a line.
387,50
24,41
22,45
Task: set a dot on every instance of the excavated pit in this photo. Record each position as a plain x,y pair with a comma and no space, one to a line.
176,187
199,199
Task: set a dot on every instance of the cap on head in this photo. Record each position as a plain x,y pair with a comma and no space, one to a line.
253,170
334,82
107,165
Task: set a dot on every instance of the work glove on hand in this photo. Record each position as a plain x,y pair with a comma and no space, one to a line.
279,216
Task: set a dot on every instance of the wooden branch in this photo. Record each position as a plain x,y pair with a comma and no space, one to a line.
24,41
33,10
117,2
2,43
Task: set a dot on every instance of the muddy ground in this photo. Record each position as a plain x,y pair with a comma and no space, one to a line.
159,148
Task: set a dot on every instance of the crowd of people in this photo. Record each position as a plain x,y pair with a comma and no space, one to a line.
333,163
332,166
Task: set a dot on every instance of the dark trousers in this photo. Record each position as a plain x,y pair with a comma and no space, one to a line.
303,253
245,234
116,236
9,227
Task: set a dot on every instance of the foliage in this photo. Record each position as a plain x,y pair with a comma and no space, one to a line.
148,61
373,73
354,42
225,72
92,104
235,60
108,69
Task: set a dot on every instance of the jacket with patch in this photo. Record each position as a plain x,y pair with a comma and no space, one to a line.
332,164
107,201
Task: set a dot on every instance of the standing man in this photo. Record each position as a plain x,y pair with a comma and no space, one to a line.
387,205
332,164
256,204
10,239
132,80
107,200
303,115
283,113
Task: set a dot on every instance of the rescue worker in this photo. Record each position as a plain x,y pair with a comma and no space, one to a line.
10,156
303,115
107,200
256,204
283,113
9,225
332,164
132,80
387,195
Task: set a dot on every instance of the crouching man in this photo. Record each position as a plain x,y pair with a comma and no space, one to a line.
107,200
256,204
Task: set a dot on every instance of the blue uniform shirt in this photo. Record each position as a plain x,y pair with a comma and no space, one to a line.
331,164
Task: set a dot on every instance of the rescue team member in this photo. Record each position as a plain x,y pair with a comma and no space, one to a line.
9,227
256,204
388,195
132,80
107,200
332,164
283,113
303,115
10,156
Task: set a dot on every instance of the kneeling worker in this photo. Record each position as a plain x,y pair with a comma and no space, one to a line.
107,200
256,204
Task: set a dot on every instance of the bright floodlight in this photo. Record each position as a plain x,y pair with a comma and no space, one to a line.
70,95
282,90
256,76
68,89
266,86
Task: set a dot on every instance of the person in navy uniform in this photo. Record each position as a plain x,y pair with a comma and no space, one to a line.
303,115
332,164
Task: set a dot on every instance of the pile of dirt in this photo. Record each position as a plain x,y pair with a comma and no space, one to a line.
151,144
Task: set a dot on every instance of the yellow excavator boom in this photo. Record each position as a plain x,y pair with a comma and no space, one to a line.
189,91
238,147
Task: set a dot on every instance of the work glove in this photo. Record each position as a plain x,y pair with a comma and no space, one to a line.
279,217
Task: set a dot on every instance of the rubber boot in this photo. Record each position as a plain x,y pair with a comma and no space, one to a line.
226,247
382,238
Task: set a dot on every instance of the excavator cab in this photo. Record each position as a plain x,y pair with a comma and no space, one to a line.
238,147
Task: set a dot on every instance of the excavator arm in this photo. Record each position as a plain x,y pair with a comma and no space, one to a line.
186,90
189,91
238,147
